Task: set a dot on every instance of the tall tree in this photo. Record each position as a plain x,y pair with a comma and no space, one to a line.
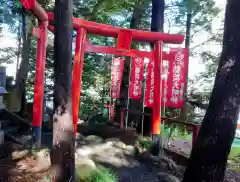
210,153
63,158
21,76
139,7
157,24
195,16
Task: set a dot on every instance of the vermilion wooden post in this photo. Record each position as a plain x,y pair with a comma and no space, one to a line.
34,7
77,74
39,84
156,119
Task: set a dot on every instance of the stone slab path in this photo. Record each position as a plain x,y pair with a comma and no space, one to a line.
119,156
115,154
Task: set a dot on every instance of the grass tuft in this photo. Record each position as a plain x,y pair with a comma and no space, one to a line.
99,174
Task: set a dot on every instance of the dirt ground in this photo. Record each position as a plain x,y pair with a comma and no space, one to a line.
10,172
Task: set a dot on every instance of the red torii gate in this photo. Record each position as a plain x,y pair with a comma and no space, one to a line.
124,38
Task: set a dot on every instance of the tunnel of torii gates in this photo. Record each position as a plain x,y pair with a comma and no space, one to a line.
124,38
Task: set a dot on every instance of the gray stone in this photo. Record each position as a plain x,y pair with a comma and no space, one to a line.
113,140
43,161
117,143
80,137
93,139
164,177
130,150
19,154
40,161
80,121
88,150
84,161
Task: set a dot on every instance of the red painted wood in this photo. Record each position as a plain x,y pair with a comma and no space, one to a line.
111,50
82,27
77,74
156,119
112,31
124,40
35,8
36,32
39,77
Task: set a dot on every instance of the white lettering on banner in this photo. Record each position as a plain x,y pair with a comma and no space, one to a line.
165,78
136,88
152,85
179,57
165,95
175,84
151,97
174,99
114,83
137,72
177,68
137,82
137,60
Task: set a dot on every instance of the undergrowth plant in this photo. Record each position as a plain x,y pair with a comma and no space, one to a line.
99,174
146,143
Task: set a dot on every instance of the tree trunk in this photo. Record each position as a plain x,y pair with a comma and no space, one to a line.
19,45
157,24
157,21
210,153
184,110
18,92
140,6
188,30
63,158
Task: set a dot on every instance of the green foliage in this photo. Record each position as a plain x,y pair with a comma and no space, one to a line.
99,174
96,74
145,143
7,55
203,12
100,10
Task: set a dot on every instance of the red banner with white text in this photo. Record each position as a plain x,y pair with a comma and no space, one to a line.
178,67
149,84
116,77
173,79
137,70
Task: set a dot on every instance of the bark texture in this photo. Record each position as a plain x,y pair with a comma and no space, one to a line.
184,110
62,158
139,7
18,96
210,153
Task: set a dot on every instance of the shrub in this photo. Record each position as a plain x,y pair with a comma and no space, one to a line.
99,174
146,143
